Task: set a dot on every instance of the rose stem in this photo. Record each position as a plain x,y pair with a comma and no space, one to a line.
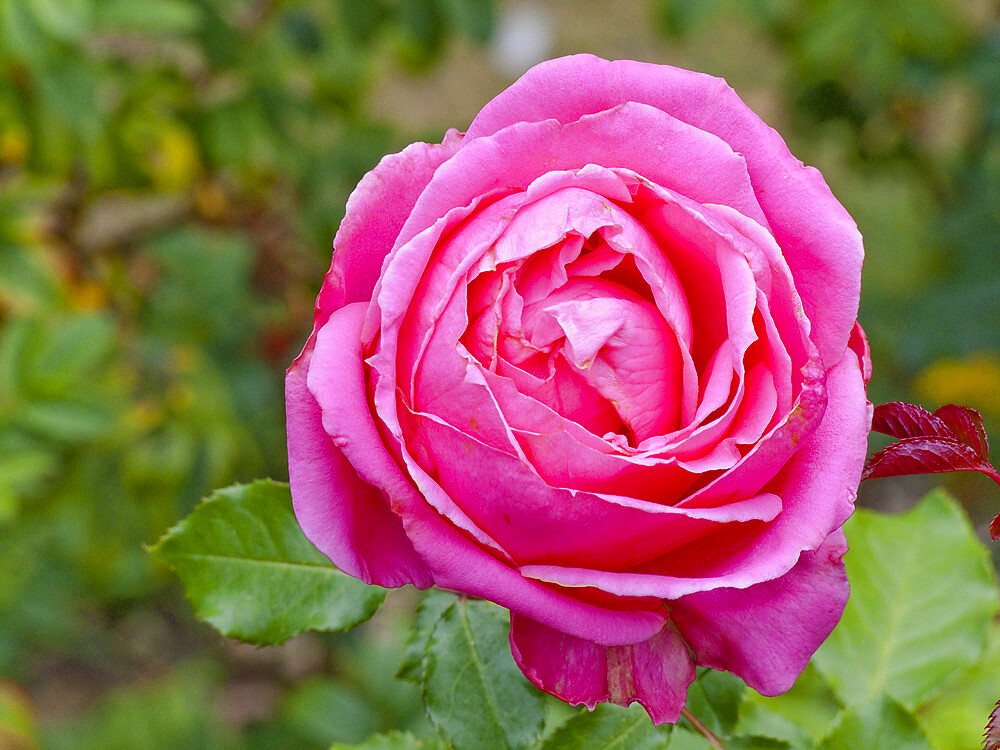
703,730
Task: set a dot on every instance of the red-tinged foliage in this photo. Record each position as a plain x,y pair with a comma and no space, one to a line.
991,737
950,439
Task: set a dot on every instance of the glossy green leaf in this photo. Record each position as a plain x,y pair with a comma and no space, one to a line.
249,571
923,593
432,606
474,693
880,724
609,727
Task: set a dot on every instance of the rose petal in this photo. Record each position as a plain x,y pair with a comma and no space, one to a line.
767,633
820,240
817,488
376,211
346,518
632,136
655,672
453,559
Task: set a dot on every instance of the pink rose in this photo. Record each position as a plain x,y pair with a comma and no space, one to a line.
596,360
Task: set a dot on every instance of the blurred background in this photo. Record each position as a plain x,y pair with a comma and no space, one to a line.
172,173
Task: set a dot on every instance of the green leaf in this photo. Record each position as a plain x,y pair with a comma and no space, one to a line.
393,741
66,19
168,16
609,727
432,606
66,420
754,742
714,698
17,723
685,739
71,351
474,693
174,711
923,593
249,571
323,710
801,716
881,724
956,716
472,17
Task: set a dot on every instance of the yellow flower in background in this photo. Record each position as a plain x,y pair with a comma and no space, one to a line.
974,380
13,145
174,163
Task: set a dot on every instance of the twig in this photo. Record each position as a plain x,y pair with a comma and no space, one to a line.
704,731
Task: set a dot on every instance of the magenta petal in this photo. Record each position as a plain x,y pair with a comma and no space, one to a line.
344,516
767,633
655,672
376,211
453,560
820,240
629,135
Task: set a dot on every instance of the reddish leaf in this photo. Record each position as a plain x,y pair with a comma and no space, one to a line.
966,424
950,439
903,420
991,737
926,455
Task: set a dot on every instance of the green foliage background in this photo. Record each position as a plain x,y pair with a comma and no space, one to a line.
172,173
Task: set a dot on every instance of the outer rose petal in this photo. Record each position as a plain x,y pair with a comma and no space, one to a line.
346,518
656,672
376,211
767,633
817,486
335,379
820,240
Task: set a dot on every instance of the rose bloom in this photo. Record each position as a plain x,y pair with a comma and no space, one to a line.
596,360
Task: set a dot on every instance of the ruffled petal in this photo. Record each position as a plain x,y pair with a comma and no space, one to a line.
345,517
819,239
376,211
655,672
453,560
817,488
767,633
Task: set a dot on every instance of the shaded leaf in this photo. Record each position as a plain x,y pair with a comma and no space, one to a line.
954,718
249,571
714,697
469,672
880,724
923,593
801,716
609,727
432,606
